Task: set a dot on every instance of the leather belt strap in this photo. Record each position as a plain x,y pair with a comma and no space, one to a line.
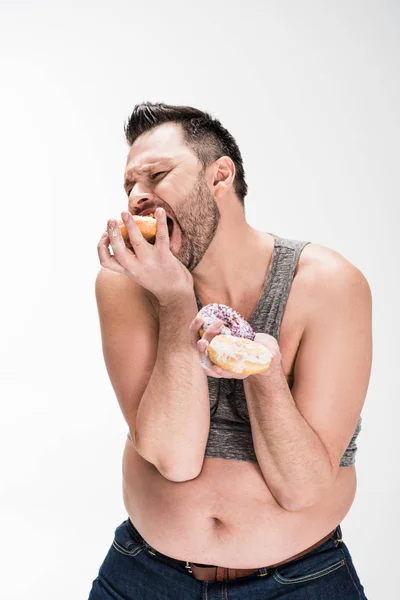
213,572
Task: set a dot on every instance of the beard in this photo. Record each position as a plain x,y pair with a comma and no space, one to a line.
198,219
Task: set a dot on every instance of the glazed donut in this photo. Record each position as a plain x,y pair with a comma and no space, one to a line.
147,226
239,355
234,349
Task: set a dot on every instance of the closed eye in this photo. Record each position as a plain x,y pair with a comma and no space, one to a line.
154,176
157,174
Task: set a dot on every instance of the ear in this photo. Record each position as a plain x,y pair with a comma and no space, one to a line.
223,176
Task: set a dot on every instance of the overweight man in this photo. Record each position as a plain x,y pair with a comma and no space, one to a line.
234,486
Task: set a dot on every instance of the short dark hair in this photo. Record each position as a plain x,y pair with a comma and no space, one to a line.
204,134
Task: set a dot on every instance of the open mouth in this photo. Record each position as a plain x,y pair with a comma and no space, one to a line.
170,225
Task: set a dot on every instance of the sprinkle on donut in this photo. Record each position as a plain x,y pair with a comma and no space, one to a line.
235,324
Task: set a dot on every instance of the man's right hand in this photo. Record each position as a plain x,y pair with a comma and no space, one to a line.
201,346
153,266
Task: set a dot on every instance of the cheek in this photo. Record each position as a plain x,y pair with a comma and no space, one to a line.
170,190
178,183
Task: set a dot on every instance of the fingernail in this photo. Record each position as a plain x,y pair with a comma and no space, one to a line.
125,217
113,229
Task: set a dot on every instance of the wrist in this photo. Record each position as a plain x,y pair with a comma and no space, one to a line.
177,300
273,374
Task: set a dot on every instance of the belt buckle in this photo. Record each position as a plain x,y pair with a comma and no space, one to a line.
187,566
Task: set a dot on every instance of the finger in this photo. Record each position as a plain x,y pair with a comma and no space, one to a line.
202,346
212,370
162,235
126,258
106,260
209,371
213,330
194,328
138,241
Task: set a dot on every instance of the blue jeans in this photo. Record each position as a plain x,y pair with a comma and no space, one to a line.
133,570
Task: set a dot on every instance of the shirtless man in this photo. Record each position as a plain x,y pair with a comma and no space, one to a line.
203,523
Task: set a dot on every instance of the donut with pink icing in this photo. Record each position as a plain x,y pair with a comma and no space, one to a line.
234,349
235,324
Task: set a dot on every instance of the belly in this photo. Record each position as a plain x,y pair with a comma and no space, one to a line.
226,516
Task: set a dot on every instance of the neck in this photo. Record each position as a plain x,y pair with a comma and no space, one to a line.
235,262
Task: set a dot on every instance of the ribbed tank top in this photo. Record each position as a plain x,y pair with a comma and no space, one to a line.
230,430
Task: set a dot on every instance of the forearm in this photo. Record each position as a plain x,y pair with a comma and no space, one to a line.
292,458
173,418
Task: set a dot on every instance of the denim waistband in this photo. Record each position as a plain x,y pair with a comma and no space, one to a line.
335,537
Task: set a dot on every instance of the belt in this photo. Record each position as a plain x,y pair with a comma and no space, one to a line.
213,572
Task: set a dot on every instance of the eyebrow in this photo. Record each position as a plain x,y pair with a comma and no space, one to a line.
148,167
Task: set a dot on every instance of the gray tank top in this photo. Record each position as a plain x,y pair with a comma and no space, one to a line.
230,431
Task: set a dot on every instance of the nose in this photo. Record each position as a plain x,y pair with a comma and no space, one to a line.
137,199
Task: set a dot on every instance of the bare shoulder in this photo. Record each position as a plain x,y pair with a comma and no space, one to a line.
324,274
111,283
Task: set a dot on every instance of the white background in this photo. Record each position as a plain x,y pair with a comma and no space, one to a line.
310,90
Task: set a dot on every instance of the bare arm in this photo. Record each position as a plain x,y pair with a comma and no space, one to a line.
129,333
301,435
173,418
151,363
